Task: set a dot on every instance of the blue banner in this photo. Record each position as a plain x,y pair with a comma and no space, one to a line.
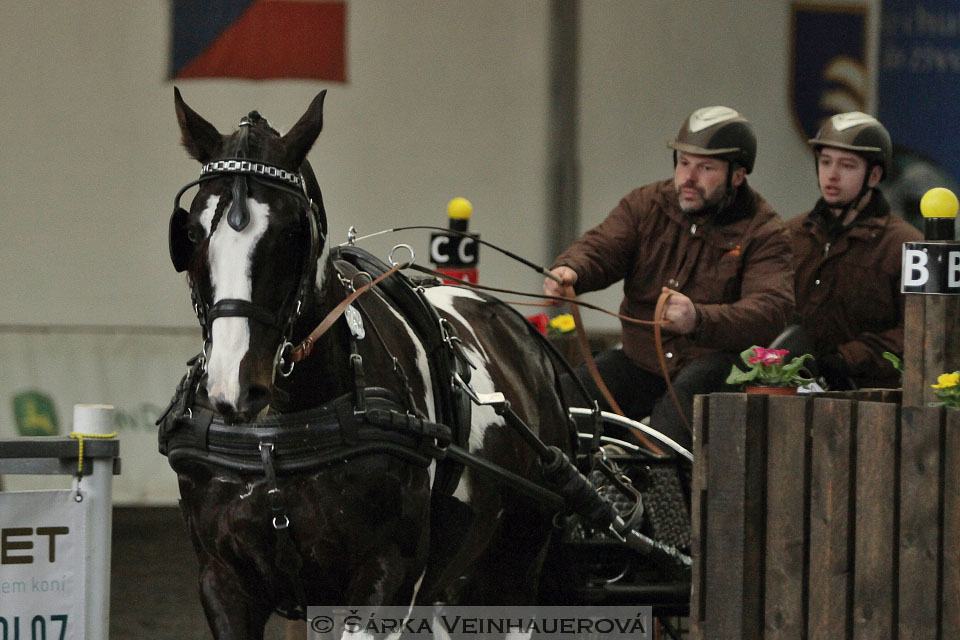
919,81
828,63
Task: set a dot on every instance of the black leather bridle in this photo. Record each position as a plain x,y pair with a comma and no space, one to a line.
182,248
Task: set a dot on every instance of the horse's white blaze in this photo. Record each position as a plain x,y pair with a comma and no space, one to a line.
230,253
482,417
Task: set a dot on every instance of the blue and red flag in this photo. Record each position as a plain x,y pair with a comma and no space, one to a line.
259,39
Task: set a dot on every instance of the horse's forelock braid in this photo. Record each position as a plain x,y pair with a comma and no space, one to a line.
221,206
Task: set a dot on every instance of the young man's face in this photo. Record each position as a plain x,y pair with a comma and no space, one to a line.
701,180
841,175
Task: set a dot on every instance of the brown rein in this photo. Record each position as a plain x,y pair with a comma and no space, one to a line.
303,350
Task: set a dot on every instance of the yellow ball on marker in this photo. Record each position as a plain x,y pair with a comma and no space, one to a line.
459,209
939,203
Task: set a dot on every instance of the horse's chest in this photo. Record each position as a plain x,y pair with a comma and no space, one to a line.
335,514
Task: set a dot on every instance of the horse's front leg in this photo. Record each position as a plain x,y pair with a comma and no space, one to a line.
231,613
384,579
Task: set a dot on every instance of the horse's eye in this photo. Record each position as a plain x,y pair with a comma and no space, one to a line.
195,235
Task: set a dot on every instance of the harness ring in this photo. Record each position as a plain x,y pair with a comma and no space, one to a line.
360,279
280,360
394,263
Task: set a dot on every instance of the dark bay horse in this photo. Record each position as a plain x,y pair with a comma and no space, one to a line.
274,529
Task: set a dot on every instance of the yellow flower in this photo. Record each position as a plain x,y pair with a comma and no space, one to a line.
947,380
563,323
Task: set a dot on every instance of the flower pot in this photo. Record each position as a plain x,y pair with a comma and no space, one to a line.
771,391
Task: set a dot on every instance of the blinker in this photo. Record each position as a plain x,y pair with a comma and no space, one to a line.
181,248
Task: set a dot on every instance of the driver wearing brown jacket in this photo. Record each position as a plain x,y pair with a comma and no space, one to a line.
709,239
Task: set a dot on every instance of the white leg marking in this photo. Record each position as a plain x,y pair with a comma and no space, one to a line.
229,254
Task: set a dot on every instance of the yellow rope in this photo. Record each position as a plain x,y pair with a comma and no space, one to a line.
80,437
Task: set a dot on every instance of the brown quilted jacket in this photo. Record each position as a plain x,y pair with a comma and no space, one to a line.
848,287
735,267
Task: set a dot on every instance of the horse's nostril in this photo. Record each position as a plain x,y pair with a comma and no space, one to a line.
227,412
253,400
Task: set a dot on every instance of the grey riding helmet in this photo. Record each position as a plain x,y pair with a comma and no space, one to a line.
858,132
717,131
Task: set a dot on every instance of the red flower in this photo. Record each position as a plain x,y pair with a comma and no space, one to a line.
767,357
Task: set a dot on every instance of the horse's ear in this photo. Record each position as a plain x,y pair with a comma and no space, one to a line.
303,134
201,139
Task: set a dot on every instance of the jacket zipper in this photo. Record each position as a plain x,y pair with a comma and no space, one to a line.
826,249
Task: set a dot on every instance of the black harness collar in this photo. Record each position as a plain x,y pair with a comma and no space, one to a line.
307,440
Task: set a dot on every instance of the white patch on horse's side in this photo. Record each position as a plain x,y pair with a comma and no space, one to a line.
321,271
423,365
229,254
482,417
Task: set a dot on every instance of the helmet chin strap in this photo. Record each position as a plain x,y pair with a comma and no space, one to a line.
728,192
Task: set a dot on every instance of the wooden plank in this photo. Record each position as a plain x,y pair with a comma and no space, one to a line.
931,344
698,512
877,477
732,598
913,351
934,343
894,396
788,449
920,521
830,519
950,623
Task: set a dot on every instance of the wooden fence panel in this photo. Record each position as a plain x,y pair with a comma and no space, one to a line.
825,517
920,510
830,519
950,624
731,599
788,450
698,509
875,524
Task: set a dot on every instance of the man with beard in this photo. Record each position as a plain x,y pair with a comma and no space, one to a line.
709,240
847,254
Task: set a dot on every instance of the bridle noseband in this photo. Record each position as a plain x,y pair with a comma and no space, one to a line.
182,248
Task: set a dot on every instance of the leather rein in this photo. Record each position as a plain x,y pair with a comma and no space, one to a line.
305,348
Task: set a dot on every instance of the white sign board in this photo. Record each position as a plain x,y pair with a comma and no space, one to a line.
42,560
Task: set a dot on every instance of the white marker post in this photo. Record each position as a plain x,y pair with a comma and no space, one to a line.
96,491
